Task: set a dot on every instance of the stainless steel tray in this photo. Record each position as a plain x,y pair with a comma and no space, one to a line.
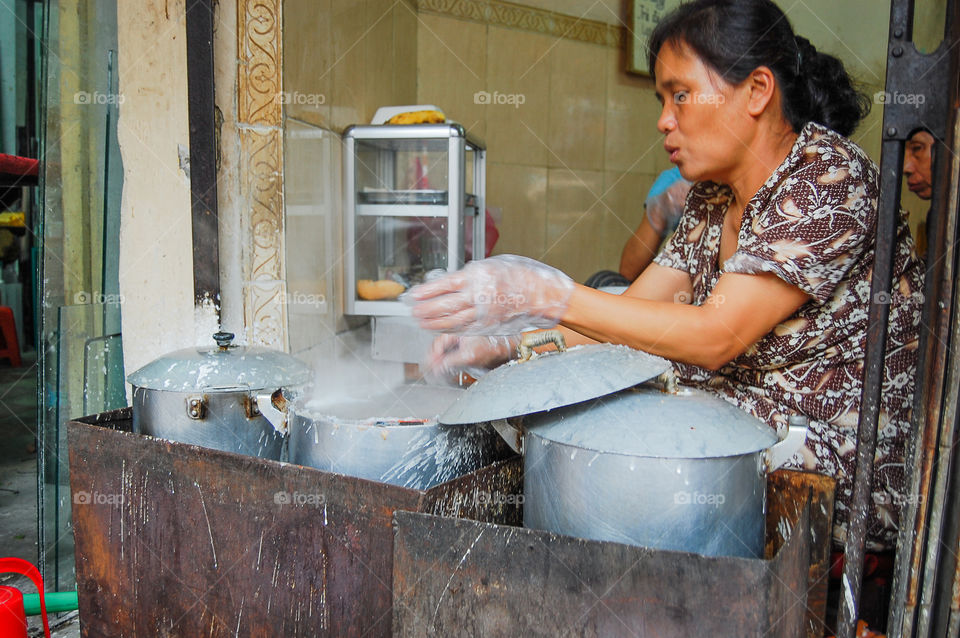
402,197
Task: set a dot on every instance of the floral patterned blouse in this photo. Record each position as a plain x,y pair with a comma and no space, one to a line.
813,225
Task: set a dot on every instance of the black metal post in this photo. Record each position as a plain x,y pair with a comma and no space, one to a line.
908,73
203,151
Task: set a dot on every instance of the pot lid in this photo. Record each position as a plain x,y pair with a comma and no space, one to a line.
223,367
646,421
553,380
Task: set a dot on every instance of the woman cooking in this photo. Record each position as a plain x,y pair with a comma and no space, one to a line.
763,292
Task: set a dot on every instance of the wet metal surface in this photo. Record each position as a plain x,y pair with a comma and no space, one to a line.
178,540
461,577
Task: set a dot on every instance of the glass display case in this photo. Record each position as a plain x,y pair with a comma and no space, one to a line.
413,202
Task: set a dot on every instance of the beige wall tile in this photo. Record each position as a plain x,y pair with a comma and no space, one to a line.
405,53
307,54
520,192
632,142
623,194
452,68
577,105
574,221
380,59
518,70
348,67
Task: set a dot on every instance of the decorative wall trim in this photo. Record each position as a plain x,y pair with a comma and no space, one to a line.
265,313
259,120
507,14
259,77
261,168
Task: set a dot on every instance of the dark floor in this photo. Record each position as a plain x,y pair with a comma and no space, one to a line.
18,459
18,480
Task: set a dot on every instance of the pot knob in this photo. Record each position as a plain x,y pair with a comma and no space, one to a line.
223,339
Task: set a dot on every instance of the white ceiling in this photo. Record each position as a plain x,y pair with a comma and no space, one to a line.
609,11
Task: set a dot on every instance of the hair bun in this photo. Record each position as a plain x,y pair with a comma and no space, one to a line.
807,55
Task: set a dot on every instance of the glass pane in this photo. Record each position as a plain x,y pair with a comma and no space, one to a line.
89,367
79,353
398,249
312,223
388,169
470,158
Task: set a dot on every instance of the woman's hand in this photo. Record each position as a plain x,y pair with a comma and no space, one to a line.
450,355
497,296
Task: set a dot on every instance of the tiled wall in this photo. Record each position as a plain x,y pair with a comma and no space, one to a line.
345,58
568,167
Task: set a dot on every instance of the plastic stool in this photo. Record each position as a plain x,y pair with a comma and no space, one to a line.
8,330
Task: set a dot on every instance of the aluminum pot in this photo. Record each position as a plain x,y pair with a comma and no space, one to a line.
207,396
405,446
681,471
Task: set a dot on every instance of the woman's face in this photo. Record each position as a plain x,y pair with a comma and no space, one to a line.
702,119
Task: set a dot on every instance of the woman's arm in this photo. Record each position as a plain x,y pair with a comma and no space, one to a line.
639,250
741,310
655,283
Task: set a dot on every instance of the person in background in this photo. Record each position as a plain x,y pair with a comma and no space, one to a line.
918,169
662,210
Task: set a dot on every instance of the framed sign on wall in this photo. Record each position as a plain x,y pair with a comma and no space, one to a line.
643,17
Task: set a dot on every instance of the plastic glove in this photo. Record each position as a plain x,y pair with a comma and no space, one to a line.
450,355
665,201
502,295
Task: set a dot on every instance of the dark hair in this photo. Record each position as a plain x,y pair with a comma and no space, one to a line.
734,37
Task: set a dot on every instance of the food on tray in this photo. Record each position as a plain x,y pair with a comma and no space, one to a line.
380,289
418,117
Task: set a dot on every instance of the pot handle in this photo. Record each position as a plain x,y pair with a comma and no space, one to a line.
531,340
274,407
512,435
780,453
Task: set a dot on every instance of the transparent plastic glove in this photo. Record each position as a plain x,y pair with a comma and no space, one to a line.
450,355
664,205
502,295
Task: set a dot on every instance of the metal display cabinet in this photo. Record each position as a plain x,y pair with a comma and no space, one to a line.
413,202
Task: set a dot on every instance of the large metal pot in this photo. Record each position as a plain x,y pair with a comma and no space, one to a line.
207,396
684,471
404,446
679,469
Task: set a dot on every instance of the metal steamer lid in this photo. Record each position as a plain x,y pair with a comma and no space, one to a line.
648,422
553,380
223,367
